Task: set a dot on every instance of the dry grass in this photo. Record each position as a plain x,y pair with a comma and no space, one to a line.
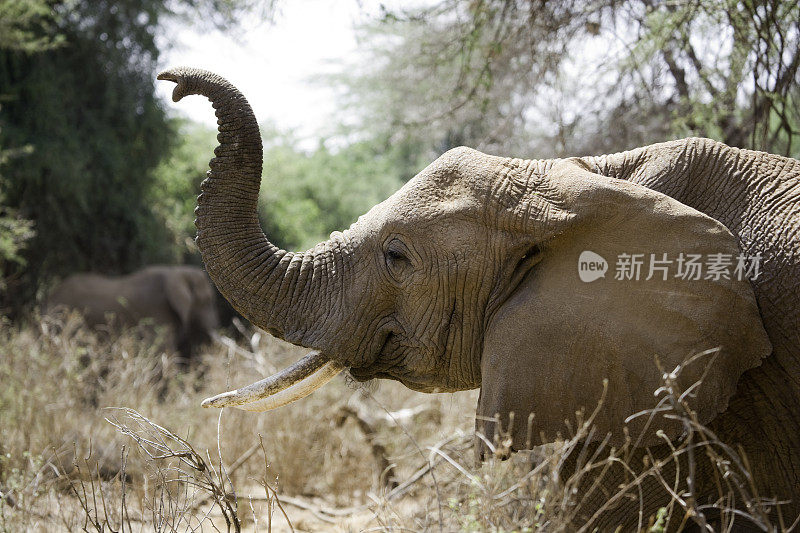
102,434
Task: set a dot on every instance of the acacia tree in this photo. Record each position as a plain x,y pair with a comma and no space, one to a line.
574,75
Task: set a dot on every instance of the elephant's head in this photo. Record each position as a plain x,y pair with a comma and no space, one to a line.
414,288
191,298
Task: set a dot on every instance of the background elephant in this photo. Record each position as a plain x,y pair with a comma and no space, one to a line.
467,277
179,297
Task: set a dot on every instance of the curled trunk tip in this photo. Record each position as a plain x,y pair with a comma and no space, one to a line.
190,80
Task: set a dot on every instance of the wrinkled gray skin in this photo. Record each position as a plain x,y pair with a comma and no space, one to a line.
179,297
467,277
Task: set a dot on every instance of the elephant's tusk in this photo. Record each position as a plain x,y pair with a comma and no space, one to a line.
290,384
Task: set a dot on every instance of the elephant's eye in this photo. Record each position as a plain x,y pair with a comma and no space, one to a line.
395,255
397,261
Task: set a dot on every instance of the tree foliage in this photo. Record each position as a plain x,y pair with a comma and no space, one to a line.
87,111
307,195
77,89
27,25
177,180
24,25
95,176
15,231
572,75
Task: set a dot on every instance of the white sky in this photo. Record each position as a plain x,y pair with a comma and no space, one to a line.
272,64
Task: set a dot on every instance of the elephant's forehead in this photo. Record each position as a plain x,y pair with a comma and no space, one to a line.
435,200
423,203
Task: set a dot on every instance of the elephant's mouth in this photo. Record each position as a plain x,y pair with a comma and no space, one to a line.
367,374
381,362
391,362
303,377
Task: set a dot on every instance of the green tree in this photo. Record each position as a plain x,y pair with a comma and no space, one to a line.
24,25
307,195
15,231
176,184
27,25
77,88
88,112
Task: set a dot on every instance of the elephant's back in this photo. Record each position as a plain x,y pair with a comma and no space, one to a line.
93,295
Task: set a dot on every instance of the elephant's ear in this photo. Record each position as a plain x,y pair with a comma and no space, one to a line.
179,295
582,316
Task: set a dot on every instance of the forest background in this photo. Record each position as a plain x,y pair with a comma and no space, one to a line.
98,174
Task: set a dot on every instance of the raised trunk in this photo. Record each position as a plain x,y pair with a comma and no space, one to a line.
276,290
757,196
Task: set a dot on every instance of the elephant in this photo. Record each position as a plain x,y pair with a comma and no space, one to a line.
469,277
178,297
